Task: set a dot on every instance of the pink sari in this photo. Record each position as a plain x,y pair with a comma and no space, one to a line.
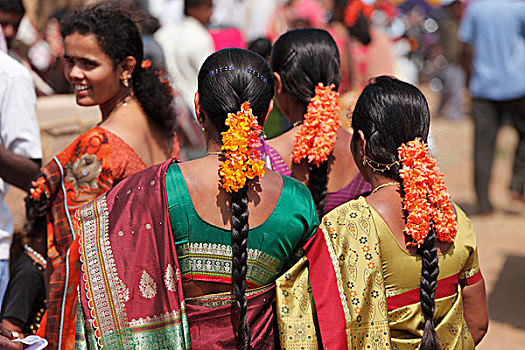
131,291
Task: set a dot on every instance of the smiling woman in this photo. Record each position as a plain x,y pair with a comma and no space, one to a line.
92,73
104,56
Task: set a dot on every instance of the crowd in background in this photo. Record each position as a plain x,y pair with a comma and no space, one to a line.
413,40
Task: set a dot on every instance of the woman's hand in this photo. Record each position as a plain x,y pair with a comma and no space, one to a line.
5,340
475,310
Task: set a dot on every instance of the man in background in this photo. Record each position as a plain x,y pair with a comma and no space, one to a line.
186,46
20,148
496,31
11,14
454,76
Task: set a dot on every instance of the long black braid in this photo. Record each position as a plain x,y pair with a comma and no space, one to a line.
304,58
427,289
227,79
390,113
240,229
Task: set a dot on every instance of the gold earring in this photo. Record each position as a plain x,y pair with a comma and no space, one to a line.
124,78
201,124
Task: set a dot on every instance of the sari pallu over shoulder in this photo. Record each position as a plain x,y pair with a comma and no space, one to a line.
130,289
347,280
131,294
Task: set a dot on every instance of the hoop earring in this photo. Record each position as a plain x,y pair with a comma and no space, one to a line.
124,78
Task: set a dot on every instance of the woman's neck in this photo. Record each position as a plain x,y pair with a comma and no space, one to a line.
123,97
213,146
378,180
295,113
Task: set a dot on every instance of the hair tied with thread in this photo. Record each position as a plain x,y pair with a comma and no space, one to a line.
426,197
240,146
316,138
145,64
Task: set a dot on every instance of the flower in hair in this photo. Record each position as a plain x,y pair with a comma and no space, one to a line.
316,138
426,197
164,81
240,143
146,64
38,188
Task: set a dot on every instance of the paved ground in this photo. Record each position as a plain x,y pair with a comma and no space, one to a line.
500,236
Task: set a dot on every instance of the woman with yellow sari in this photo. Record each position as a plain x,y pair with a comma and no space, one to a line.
397,269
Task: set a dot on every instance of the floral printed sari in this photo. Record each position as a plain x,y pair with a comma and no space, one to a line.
359,299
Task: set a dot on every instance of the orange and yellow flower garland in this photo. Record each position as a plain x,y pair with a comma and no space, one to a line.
426,195
316,138
240,143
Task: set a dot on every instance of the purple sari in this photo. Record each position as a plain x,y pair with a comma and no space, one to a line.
355,188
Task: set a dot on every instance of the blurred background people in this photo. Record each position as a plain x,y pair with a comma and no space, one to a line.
454,75
11,14
20,147
152,49
495,30
186,45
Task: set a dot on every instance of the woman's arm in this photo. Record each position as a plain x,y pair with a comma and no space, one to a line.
475,309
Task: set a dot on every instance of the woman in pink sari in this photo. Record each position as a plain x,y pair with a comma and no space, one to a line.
171,258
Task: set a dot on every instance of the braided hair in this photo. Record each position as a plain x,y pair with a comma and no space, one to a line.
119,37
227,79
304,58
390,113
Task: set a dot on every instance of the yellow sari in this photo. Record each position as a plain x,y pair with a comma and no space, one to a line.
366,287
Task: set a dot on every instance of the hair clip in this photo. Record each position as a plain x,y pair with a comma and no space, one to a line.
257,74
288,58
223,69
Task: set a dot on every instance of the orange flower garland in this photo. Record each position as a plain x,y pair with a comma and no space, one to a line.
240,143
426,195
316,138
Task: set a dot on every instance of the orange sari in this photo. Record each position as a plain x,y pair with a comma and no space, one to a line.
91,165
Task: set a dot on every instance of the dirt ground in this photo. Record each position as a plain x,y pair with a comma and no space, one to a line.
500,235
